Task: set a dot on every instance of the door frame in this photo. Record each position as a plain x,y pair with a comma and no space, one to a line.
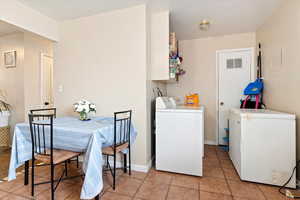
252,78
42,55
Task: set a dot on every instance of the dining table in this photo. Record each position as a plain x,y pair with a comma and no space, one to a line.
70,133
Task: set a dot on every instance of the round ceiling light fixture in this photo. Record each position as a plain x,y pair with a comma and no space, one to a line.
204,25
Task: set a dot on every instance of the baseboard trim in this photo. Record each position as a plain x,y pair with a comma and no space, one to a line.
142,168
135,167
210,142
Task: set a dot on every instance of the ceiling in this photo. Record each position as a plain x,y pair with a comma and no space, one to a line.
6,28
226,16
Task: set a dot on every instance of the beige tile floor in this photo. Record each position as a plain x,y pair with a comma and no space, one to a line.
4,161
220,182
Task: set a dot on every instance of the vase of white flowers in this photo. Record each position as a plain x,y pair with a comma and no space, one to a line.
84,107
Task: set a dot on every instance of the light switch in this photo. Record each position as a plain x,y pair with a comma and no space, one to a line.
60,88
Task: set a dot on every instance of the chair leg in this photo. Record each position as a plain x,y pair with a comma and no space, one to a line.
77,161
52,181
97,197
26,174
125,163
66,167
114,174
107,163
32,177
129,154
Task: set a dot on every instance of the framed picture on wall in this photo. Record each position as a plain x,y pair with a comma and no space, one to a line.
10,59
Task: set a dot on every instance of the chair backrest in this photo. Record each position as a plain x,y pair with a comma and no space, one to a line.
122,124
41,129
44,111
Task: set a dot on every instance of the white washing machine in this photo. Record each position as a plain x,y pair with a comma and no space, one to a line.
179,137
262,145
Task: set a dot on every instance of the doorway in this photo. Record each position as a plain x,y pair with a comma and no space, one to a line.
234,72
46,80
26,78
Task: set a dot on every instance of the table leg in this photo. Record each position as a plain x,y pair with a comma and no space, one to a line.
26,174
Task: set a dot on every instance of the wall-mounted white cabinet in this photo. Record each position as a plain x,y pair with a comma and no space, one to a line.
160,30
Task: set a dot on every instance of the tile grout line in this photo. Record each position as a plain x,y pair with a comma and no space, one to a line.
218,178
141,184
124,176
6,193
169,186
110,186
235,180
225,176
199,187
227,179
266,198
219,158
30,197
14,194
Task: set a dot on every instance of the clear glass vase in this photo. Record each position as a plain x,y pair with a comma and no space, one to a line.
83,116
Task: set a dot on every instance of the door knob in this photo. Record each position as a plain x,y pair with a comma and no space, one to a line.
221,103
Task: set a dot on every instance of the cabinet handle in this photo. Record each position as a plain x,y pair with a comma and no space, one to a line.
238,122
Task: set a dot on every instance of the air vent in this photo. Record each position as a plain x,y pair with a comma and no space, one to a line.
234,63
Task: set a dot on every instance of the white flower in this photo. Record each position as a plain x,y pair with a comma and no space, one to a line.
79,109
84,106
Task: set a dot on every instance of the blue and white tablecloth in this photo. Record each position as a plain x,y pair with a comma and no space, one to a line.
71,134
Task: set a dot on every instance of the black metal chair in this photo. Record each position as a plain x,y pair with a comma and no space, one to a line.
122,124
41,129
47,111
44,111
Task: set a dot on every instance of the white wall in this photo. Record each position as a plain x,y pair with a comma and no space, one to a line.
12,79
280,40
199,61
148,84
15,13
34,45
22,84
102,58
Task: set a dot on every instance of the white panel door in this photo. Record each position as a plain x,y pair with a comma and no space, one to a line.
46,80
234,69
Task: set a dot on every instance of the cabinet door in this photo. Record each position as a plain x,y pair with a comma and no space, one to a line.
235,143
160,46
